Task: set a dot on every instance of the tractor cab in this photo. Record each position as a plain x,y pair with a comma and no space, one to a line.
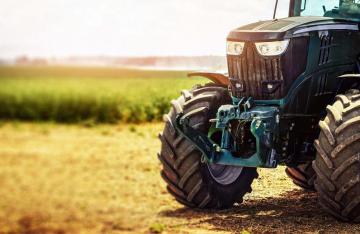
343,9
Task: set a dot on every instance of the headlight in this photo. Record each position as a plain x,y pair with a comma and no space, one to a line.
234,48
272,48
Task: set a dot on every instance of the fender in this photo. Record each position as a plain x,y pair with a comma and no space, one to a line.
348,81
350,76
217,78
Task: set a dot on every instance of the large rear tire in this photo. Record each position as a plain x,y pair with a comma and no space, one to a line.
302,175
190,181
337,163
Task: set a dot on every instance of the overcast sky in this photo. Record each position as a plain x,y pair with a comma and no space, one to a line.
123,27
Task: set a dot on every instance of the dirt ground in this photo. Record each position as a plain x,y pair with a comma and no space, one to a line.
105,179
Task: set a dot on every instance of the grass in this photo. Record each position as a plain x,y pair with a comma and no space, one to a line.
88,94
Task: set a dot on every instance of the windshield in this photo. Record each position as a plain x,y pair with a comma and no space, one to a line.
341,9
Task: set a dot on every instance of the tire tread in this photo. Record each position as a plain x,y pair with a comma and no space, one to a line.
337,165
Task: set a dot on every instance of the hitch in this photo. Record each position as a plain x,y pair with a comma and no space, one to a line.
263,125
200,140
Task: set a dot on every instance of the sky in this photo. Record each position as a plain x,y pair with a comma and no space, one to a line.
61,28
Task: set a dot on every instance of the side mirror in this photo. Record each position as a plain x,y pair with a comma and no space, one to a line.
303,7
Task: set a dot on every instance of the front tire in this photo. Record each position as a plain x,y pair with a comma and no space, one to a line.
190,181
302,175
337,164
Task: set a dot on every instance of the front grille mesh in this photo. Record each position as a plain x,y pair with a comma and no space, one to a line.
254,72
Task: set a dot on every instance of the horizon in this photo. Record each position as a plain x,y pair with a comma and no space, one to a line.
111,56
150,62
147,28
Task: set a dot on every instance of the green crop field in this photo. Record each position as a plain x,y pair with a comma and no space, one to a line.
88,94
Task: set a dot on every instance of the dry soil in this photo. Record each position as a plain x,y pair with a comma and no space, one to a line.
105,179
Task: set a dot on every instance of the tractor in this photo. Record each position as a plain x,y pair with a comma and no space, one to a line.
291,96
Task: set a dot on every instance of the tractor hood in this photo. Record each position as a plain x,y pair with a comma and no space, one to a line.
286,28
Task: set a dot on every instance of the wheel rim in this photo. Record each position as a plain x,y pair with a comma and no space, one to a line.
224,174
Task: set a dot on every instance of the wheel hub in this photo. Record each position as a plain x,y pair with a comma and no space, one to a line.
224,174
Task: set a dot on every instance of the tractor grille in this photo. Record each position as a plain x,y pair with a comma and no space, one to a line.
254,75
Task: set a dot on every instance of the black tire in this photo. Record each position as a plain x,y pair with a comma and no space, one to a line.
303,175
337,163
188,179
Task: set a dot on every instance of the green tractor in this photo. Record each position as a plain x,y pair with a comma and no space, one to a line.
290,97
